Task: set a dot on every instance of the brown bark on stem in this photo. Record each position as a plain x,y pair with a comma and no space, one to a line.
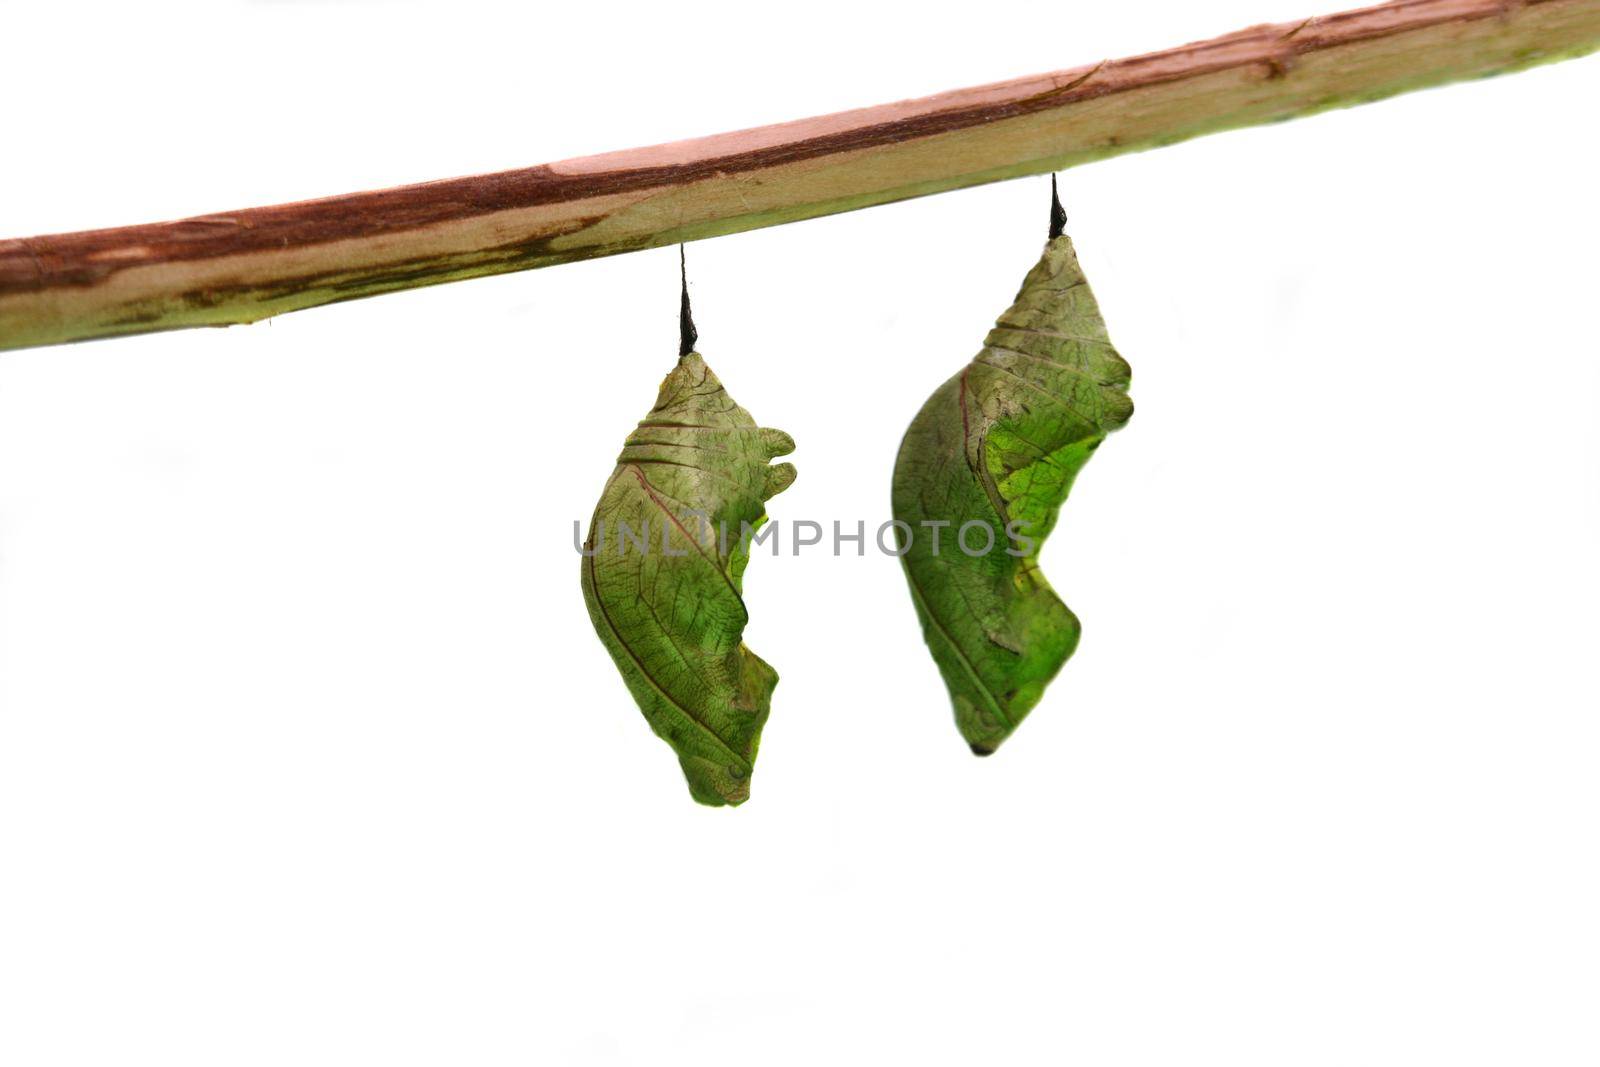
242,266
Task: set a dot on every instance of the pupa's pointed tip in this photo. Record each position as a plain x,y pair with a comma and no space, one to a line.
711,796
1058,214
980,750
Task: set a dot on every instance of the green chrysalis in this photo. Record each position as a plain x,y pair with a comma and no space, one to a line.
1000,444
662,572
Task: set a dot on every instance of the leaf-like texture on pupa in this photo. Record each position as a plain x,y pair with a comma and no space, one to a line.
1000,443
671,615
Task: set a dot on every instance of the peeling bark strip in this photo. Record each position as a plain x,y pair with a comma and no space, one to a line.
243,266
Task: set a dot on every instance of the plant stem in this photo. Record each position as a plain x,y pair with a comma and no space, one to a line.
243,266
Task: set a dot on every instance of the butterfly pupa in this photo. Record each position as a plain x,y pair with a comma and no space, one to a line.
1000,444
663,572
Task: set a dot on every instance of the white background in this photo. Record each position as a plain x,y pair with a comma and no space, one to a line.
308,752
